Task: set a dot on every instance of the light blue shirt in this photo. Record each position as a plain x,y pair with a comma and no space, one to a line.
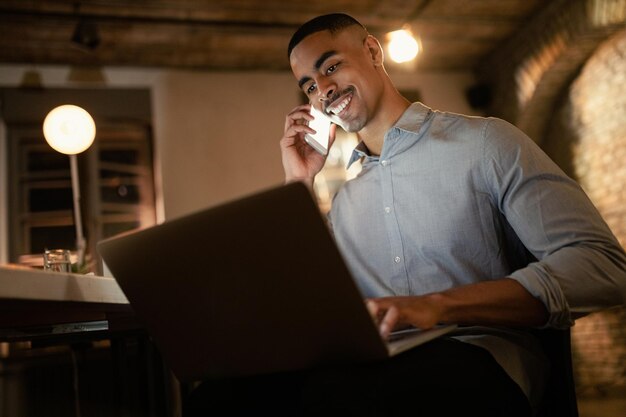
455,200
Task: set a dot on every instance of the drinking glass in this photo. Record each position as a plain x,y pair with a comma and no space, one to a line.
57,260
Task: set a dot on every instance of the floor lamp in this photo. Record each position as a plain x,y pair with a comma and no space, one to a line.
70,130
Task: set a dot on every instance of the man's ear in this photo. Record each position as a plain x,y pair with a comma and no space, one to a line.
375,51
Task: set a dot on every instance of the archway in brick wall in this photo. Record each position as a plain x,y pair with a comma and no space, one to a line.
587,138
529,72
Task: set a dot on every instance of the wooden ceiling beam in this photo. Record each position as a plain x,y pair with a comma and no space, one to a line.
241,34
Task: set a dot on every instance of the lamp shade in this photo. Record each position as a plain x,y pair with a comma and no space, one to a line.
69,129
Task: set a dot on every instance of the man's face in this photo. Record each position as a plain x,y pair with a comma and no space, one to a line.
338,75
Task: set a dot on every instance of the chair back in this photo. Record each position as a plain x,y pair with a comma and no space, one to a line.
560,396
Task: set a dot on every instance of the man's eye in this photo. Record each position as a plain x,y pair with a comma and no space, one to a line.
310,89
331,69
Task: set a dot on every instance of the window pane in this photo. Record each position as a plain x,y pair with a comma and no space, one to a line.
52,237
50,199
122,156
47,161
123,194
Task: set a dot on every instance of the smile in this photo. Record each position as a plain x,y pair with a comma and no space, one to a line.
339,105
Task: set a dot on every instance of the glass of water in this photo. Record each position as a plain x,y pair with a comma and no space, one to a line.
57,260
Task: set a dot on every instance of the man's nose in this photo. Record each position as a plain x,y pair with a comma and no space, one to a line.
326,90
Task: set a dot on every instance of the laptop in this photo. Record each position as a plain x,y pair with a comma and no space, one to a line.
253,286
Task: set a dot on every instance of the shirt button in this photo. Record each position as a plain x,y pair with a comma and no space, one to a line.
396,259
384,162
387,209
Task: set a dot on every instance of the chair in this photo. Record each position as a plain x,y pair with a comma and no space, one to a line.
560,397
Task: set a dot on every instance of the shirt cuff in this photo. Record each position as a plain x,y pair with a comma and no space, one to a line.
538,282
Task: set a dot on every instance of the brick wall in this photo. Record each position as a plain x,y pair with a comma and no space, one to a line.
587,137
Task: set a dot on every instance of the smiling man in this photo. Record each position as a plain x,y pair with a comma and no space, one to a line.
453,219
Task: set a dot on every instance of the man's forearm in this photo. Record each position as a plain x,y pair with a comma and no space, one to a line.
498,302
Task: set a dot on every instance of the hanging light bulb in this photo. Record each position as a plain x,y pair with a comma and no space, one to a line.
402,47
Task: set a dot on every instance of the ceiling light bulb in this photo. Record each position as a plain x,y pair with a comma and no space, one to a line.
69,129
402,46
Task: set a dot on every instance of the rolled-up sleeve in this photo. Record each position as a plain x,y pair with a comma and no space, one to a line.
580,265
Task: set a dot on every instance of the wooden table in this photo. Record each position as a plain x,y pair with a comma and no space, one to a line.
37,304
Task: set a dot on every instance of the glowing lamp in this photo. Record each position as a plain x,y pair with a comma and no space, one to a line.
70,130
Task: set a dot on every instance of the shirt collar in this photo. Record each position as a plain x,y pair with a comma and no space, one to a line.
413,118
411,121
360,151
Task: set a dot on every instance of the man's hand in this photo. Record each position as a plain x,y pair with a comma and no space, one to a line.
300,161
392,313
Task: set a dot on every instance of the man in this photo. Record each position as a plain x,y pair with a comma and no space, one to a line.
453,219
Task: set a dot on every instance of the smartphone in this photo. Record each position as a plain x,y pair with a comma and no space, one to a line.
321,124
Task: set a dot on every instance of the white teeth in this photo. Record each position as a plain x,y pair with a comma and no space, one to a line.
339,107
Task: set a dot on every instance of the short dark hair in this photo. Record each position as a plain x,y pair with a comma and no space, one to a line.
333,22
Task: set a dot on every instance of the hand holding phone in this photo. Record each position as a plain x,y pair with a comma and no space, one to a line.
321,125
